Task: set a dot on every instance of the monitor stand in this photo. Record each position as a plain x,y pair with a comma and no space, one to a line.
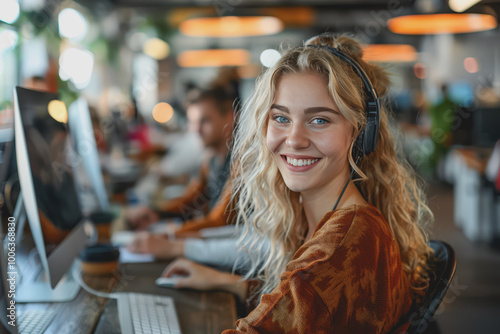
38,290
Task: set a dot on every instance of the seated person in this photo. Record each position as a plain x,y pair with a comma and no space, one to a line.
356,268
222,253
210,114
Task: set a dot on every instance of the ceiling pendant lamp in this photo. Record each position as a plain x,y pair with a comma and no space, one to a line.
389,53
214,58
433,24
442,21
231,26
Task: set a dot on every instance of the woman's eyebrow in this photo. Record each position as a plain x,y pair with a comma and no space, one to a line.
319,109
282,108
310,110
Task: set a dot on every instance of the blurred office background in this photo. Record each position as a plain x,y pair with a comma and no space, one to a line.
134,61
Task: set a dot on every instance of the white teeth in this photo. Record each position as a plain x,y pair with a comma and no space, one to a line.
300,162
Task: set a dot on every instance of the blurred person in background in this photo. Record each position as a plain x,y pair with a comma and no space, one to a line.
210,114
442,117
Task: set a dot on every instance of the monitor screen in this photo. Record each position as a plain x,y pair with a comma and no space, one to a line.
43,154
486,126
82,133
9,182
49,150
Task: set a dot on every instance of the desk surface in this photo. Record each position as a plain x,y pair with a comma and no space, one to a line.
198,312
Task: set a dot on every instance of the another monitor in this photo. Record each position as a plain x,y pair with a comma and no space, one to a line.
11,202
486,127
83,136
7,320
48,191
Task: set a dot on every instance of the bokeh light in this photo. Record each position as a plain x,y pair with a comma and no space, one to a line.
9,11
471,65
163,112
76,65
8,38
72,24
57,109
420,70
269,57
156,48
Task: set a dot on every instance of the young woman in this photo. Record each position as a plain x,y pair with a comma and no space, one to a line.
355,269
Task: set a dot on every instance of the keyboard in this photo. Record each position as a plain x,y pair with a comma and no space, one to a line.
147,314
34,322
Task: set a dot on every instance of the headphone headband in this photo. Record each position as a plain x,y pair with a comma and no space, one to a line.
367,138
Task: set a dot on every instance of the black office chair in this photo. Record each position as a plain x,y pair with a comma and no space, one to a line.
440,281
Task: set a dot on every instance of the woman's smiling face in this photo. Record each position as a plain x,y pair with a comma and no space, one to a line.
306,134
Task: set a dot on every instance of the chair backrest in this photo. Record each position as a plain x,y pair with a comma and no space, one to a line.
440,280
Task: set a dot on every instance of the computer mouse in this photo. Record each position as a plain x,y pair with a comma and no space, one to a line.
167,282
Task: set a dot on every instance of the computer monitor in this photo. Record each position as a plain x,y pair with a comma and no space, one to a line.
48,191
486,126
7,320
10,193
82,133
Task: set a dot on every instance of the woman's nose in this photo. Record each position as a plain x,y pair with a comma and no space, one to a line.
297,137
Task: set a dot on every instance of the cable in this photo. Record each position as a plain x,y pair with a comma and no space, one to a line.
77,275
345,187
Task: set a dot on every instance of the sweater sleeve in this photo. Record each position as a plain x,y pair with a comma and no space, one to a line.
191,198
293,307
218,216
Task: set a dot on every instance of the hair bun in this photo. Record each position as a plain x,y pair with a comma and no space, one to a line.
377,75
343,43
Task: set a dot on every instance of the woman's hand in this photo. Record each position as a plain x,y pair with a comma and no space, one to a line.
140,217
158,245
200,277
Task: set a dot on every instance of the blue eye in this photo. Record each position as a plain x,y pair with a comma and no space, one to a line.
280,119
319,121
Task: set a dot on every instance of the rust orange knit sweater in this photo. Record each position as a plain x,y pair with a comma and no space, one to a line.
346,279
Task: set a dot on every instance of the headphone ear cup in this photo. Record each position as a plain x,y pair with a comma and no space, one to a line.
370,133
358,149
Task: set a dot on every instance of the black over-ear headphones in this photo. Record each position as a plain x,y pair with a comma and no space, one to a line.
367,138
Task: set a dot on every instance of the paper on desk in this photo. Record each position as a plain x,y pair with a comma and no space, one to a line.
121,238
167,226
127,256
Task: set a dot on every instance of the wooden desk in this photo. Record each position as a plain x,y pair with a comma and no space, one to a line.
198,312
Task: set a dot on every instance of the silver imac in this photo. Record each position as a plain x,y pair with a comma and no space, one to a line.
82,133
57,225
